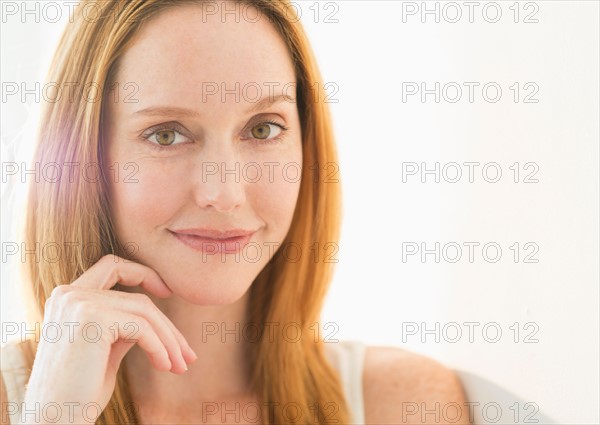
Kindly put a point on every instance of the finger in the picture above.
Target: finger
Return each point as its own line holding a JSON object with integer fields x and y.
{"x": 117, "y": 353}
{"x": 111, "y": 269}
{"x": 186, "y": 350}
{"x": 145, "y": 336}
{"x": 141, "y": 305}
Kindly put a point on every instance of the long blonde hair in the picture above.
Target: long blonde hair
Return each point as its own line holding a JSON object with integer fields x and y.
{"x": 76, "y": 210}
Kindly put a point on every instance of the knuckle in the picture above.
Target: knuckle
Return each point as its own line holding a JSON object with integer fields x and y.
{"x": 58, "y": 296}
{"x": 85, "y": 310}
{"x": 108, "y": 258}
{"x": 144, "y": 325}
{"x": 144, "y": 299}
{"x": 60, "y": 290}
{"x": 111, "y": 259}
{"x": 71, "y": 297}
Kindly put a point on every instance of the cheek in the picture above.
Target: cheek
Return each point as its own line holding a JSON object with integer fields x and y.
{"x": 145, "y": 198}
{"x": 276, "y": 200}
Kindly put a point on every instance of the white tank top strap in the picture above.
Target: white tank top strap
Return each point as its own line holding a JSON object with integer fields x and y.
{"x": 348, "y": 359}
{"x": 15, "y": 375}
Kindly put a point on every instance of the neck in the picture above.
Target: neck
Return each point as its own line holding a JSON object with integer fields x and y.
{"x": 215, "y": 334}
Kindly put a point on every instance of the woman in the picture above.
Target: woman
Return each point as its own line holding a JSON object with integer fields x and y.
{"x": 209, "y": 137}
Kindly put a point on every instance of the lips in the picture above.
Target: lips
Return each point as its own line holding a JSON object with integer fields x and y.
{"x": 214, "y": 241}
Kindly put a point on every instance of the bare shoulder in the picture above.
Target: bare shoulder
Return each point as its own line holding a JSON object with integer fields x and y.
{"x": 402, "y": 387}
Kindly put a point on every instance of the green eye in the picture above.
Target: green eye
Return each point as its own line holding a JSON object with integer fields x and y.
{"x": 165, "y": 137}
{"x": 261, "y": 131}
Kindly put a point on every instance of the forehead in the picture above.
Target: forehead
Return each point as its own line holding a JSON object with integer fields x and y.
{"x": 182, "y": 50}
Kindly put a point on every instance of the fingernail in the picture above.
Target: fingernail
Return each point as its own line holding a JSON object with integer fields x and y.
{"x": 192, "y": 352}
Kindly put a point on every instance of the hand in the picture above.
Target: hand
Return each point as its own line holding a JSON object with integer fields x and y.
{"x": 98, "y": 327}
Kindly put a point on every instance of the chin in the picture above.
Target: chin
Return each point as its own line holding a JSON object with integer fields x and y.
{"x": 209, "y": 298}
{"x": 215, "y": 298}
{"x": 213, "y": 291}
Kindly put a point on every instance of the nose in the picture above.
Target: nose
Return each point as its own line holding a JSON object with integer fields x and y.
{"x": 219, "y": 180}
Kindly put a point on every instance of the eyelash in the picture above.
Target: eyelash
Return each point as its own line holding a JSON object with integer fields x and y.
{"x": 176, "y": 128}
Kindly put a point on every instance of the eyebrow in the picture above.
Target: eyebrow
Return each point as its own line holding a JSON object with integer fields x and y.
{"x": 262, "y": 104}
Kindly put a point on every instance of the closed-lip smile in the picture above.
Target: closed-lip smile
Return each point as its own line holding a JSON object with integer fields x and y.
{"x": 214, "y": 241}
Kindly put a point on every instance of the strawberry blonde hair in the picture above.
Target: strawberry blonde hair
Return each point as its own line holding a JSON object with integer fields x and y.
{"x": 77, "y": 209}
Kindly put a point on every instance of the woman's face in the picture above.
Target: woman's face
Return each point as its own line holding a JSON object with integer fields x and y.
{"x": 199, "y": 150}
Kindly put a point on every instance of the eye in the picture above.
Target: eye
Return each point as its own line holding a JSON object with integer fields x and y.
{"x": 167, "y": 137}
{"x": 269, "y": 130}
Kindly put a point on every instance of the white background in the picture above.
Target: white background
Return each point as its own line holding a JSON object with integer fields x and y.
{"x": 376, "y": 297}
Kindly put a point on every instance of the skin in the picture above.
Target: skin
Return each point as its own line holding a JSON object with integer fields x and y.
{"x": 170, "y": 58}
